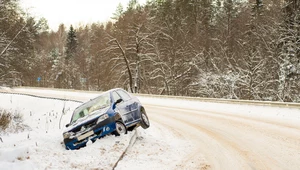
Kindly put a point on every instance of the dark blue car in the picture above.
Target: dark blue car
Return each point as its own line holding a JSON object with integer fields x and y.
{"x": 114, "y": 111}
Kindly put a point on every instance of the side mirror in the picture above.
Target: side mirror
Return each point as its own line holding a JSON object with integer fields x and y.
{"x": 67, "y": 125}
{"x": 118, "y": 101}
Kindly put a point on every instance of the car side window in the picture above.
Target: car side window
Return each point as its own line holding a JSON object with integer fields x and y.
{"x": 124, "y": 95}
{"x": 116, "y": 96}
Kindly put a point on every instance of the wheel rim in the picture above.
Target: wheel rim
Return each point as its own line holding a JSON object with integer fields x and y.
{"x": 145, "y": 119}
{"x": 120, "y": 128}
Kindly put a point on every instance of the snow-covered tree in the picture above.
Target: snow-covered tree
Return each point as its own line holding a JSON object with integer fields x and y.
{"x": 289, "y": 55}
{"x": 17, "y": 38}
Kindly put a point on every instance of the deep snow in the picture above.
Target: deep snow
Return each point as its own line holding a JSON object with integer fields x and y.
{"x": 40, "y": 145}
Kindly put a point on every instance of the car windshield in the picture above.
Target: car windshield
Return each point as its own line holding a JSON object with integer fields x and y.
{"x": 90, "y": 107}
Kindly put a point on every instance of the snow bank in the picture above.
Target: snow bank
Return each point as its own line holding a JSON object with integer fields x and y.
{"x": 42, "y": 148}
{"x": 41, "y": 145}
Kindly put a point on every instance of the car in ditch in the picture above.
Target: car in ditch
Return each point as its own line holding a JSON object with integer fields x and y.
{"x": 112, "y": 112}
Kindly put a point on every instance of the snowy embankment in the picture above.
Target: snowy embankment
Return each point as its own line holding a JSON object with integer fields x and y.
{"x": 39, "y": 145}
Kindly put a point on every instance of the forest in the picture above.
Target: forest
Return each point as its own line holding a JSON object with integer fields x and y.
{"x": 231, "y": 49}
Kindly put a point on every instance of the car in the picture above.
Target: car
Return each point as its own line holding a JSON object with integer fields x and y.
{"x": 113, "y": 112}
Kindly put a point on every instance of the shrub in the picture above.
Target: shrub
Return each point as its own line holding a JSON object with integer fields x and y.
{"x": 11, "y": 122}
{"x": 5, "y": 119}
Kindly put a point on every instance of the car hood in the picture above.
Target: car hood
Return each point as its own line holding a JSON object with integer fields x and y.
{"x": 84, "y": 120}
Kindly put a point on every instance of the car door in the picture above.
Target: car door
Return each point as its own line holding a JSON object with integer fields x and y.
{"x": 122, "y": 108}
{"x": 131, "y": 104}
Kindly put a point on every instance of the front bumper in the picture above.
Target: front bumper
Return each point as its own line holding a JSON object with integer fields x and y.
{"x": 82, "y": 137}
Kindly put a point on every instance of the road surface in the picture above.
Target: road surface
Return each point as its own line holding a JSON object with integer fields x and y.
{"x": 233, "y": 141}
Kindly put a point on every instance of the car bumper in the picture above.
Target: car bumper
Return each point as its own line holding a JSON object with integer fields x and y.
{"x": 101, "y": 129}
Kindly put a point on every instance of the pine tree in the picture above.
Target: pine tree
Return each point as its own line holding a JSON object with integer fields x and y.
{"x": 71, "y": 46}
{"x": 119, "y": 12}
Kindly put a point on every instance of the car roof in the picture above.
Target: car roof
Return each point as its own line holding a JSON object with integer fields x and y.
{"x": 111, "y": 90}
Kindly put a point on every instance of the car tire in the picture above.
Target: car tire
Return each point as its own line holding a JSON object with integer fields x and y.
{"x": 145, "y": 123}
{"x": 120, "y": 128}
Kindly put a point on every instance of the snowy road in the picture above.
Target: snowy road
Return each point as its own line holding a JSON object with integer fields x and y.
{"x": 201, "y": 135}
{"x": 231, "y": 141}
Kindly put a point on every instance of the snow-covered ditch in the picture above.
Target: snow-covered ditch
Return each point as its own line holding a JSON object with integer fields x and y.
{"x": 39, "y": 145}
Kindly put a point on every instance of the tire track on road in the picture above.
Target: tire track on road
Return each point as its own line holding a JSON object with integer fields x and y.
{"x": 195, "y": 158}
{"x": 228, "y": 146}
{"x": 253, "y": 158}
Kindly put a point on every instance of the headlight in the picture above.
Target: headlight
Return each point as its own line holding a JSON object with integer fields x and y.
{"x": 102, "y": 117}
{"x": 67, "y": 135}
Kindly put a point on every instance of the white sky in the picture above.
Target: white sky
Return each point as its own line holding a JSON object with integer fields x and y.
{"x": 73, "y": 11}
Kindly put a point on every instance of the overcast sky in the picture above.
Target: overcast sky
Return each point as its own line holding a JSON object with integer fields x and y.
{"x": 73, "y": 11}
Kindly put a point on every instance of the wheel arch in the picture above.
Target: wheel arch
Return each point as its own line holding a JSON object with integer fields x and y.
{"x": 142, "y": 108}
{"x": 118, "y": 117}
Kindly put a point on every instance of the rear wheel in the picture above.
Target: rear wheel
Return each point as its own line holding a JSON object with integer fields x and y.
{"x": 120, "y": 128}
{"x": 144, "y": 119}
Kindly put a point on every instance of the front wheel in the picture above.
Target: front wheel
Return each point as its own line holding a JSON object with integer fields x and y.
{"x": 120, "y": 128}
{"x": 144, "y": 119}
